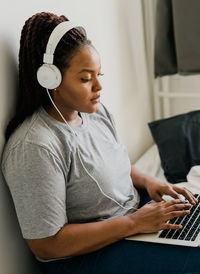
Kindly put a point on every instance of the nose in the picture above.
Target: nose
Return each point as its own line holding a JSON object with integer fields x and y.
{"x": 97, "y": 85}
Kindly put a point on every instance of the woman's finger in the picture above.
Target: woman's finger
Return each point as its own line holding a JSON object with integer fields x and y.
{"x": 174, "y": 214}
{"x": 170, "y": 191}
{"x": 178, "y": 207}
{"x": 157, "y": 197}
{"x": 171, "y": 226}
{"x": 187, "y": 194}
{"x": 173, "y": 201}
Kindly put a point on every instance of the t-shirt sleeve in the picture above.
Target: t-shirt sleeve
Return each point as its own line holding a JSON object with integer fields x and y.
{"x": 37, "y": 184}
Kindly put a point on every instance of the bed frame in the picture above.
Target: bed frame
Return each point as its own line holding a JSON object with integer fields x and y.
{"x": 163, "y": 97}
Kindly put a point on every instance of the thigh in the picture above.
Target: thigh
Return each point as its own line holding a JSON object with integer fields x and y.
{"x": 148, "y": 258}
{"x": 63, "y": 266}
{"x": 132, "y": 257}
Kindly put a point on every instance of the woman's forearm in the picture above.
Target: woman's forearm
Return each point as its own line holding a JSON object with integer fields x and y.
{"x": 77, "y": 239}
{"x": 141, "y": 180}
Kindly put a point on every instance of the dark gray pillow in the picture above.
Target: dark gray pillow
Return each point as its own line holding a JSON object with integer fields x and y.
{"x": 178, "y": 142}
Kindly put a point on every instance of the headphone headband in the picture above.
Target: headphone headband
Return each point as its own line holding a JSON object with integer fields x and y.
{"x": 54, "y": 39}
{"x": 48, "y": 75}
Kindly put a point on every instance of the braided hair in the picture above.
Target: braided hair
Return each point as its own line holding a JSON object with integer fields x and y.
{"x": 33, "y": 41}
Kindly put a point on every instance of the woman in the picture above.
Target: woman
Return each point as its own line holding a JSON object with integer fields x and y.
{"x": 75, "y": 192}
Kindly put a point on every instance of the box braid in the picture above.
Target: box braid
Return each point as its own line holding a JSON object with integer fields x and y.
{"x": 33, "y": 41}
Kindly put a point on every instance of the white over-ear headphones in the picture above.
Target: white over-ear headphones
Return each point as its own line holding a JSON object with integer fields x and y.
{"x": 48, "y": 75}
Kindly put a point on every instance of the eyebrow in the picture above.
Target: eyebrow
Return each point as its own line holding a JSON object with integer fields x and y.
{"x": 86, "y": 70}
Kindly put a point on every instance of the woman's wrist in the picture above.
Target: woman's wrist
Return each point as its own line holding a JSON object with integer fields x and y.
{"x": 130, "y": 225}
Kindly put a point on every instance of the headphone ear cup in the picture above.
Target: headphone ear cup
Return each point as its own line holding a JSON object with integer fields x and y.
{"x": 49, "y": 76}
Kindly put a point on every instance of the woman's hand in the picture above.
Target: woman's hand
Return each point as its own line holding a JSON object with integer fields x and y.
{"x": 157, "y": 189}
{"x": 154, "y": 216}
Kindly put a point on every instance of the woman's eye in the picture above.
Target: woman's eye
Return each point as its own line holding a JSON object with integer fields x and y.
{"x": 84, "y": 80}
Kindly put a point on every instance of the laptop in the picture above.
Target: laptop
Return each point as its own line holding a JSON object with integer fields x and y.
{"x": 189, "y": 235}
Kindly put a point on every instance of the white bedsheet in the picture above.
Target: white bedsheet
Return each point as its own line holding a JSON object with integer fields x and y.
{"x": 149, "y": 163}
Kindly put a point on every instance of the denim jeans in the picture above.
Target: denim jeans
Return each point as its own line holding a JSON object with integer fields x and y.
{"x": 134, "y": 257}
{"x": 131, "y": 257}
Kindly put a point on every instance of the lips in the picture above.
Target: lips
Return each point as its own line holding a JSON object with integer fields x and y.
{"x": 96, "y": 99}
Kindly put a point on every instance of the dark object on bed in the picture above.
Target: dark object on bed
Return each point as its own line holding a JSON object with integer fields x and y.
{"x": 178, "y": 142}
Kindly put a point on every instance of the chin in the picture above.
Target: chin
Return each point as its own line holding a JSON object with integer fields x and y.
{"x": 95, "y": 108}
{"x": 92, "y": 109}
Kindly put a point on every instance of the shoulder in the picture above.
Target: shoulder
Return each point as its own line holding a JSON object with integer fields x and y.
{"x": 35, "y": 133}
{"x": 32, "y": 130}
{"x": 102, "y": 110}
{"x": 103, "y": 120}
{"x": 103, "y": 113}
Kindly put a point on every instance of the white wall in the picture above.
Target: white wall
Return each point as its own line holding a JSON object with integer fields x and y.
{"x": 136, "y": 75}
{"x": 125, "y": 92}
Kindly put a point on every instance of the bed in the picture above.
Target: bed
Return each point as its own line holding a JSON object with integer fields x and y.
{"x": 150, "y": 163}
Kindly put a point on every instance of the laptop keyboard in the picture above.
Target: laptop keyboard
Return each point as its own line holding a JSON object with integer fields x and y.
{"x": 190, "y": 223}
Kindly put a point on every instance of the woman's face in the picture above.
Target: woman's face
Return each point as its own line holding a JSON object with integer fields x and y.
{"x": 80, "y": 86}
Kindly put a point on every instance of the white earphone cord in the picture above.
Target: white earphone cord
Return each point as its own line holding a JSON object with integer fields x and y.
{"x": 128, "y": 208}
{"x": 132, "y": 207}
{"x": 71, "y": 129}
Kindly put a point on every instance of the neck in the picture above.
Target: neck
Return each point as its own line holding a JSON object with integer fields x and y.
{"x": 72, "y": 117}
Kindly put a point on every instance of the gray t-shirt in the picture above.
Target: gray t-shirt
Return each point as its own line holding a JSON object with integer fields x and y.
{"x": 58, "y": 177}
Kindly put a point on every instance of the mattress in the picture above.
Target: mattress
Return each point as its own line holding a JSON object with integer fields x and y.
{"x": 150, "y": 163}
